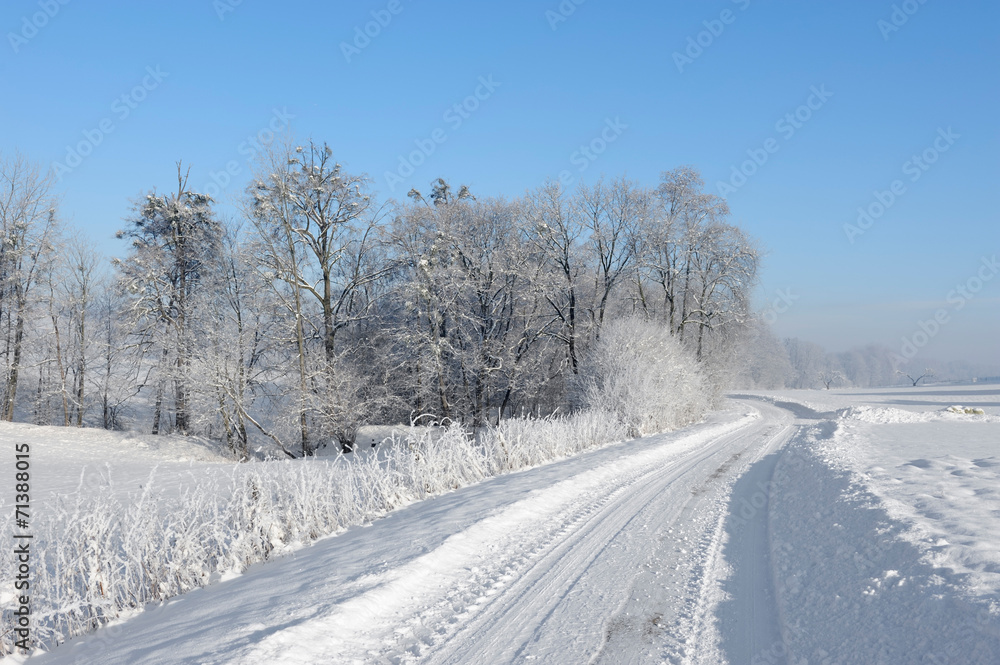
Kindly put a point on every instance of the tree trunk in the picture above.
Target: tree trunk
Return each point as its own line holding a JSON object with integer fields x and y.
{"x": 79, "y": 383}
{"x": 8, "y": 412}
{"x": 572, "y": 331}
{"x": 160, "y": 385}
{"x": 60, "y": 367}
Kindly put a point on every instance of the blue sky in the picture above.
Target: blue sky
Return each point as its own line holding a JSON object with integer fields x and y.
{"x": 202, "y": 78}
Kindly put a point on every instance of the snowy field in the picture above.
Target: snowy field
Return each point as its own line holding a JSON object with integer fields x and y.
{"x": 65, "y": 460}
{"x": 836, "y": 527}
{"x": 886, "y": 536}
{"x": 932, "y": 457}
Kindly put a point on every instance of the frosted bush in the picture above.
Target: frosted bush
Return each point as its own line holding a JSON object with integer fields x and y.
{"x": 643, "y": 375}
{"x": 98, "y": 557}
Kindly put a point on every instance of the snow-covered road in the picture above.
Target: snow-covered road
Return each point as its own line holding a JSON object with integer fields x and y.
{"x": 740, "y": 540}
{"x": 612, "y": 556}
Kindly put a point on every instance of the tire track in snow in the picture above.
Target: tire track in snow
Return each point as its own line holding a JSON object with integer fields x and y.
{"x": 670, "y": 614}
{"x": 559, "y": 589}
{"x": 545, "y": 622}
{"x": 749, "y": 622}
{"x": 503, "y": 589}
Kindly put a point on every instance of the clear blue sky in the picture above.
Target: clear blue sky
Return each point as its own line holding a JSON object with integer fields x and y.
{"x": 559, "y": 83}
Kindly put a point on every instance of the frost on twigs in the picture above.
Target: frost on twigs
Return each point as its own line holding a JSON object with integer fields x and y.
{"x": 643, "y": 375}
{"x": 103, "y": 554}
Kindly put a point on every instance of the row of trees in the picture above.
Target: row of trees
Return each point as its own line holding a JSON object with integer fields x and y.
{"x": 318, "y": 308}
{"x": 796, "y": 363}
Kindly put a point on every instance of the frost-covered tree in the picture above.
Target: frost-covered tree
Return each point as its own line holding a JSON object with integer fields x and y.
{"x": 475, "y": 313}
{"x": 696, "y": 271}
{"x": 172, "y": 265}
{"x": 27, "y": 228}
{"x": 73, "y": 282}
{"x": 333, "y": 218}
{"x": 421, "y": 243}
{"x": 724, "y": 269}
{"x": 83, "y": 284}
{"x": 317, "y": 317}
{"x": 554, "y": 231}
{"x": 612, "y": 215}
{"x": 242, "y": 359}
{"x": 118, "y": 374}
{"x": 670, "y": 241}
{"x": 763, "y": 360}
{"x": 830, "y": 376}
{"x": 808, "y": 362}
{"x": 317, "y": 225}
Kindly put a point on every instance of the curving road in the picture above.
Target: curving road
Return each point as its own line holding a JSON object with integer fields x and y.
{"x": 654, "y": 551}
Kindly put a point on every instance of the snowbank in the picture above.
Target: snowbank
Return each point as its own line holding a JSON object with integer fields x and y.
{"x": 889, "y": 415}
{"x": 854, "y": 585}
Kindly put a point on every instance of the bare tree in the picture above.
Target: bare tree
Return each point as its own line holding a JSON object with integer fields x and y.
{"x": 82, "y": 284}
{"x": 318, "y": 227}
{"x": 612, "y": 214}
{"x": 671, "y": 241}
{"x": 554, "y": 230}
{"x": 808, "y": 362}
{"x": 72, "y": 280}
{"x": 831, "y": 376}
{"x": 476, "y": 282}
{"x": 762, "y": 360}
{"x": 421, "y": 238}
{"x": 27, "y": 227}
{"x": 915, "y": 381}
{"x": 119, "y": 375}
{"x": 721, "y": 277}
{"x": 174, "y": 259}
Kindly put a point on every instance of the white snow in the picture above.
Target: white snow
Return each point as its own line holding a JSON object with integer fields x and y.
{"x": 886, "y": 542}
{"x": 850, "y": 526}
{"x": 400, "y": 588}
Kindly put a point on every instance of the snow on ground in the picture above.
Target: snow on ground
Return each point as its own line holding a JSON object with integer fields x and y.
{"x": 922, "y": 400}
{"x": 943, "y": 479}
{"x": 64, "y": 459}
{"x": 886, "y": 531}
{"x": 526, "y": 565}
{"x": 832, "y": 527}
{"x": 932, "y": 466}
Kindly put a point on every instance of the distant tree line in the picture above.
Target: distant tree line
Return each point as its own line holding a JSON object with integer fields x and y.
{"x": 771, "y": 363}
{"x": 319, "y": 308}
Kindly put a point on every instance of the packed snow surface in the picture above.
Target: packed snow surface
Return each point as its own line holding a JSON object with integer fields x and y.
{"x": 801, "y": 527}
